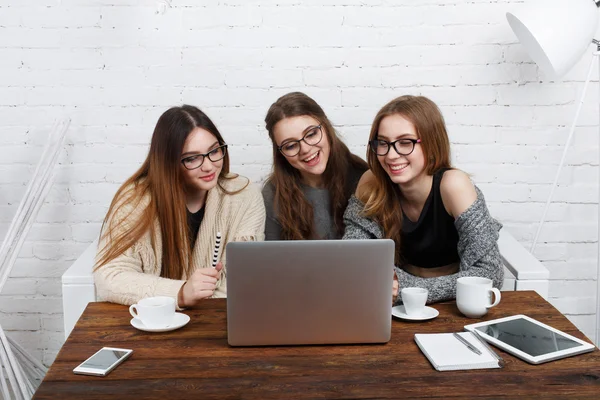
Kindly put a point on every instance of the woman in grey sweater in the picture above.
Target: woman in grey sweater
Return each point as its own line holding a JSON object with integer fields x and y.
{"x": 314, "y": 173}
{"x": 436, "y": 216}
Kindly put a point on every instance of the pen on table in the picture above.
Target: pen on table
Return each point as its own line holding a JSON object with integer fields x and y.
{"x": 466, "y": 343}
{"x": 501, "y": 361}
{"x": 216, "y": 250}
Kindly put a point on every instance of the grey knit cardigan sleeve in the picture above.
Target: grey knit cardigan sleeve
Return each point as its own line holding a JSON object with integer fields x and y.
{"x": 477, "y": 248}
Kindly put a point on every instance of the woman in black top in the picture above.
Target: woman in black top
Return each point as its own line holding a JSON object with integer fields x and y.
{"x": 433, "y": 212}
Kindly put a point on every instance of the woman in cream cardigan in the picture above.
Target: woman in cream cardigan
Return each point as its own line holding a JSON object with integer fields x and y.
{"x": 159, "y": 233}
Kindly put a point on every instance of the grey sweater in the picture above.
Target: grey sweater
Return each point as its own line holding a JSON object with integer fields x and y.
{"x": 318, "y": 198}
{"x": 477, "y": 248}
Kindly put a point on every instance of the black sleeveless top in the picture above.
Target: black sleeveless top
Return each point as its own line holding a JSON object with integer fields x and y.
{"x": 431, "y": 241}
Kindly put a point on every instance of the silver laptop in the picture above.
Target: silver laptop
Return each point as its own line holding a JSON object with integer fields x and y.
{"x": 309, "y": 292}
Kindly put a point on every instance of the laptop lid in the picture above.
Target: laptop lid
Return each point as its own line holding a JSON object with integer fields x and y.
{"x": 309, "y": 292}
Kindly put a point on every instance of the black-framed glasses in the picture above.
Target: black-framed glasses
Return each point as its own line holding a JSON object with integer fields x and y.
{"x": 404, "y": 147}
{"x": 312, "y": 137}
{"x": 196, "y": 161}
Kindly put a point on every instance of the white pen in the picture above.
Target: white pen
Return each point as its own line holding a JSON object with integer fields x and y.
{"x": 466, "y": 343}
{"x": 216, "y": 250}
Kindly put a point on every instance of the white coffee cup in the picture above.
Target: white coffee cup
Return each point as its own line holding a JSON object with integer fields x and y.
{"x": 414, "y": 300}
{"x": 474, "y": 296}
{"x": 154, "y": 312}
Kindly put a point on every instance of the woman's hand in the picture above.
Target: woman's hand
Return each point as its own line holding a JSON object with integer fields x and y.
{"x": 395, "y": 288}
{"x": 200, "y": 285}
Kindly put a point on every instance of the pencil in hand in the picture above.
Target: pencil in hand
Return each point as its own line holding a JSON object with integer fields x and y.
{"x": 216, "y": 250}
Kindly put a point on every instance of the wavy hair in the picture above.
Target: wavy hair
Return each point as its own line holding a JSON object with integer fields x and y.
{"x": 380, "y": 195}
{"x": 294, "y": 211}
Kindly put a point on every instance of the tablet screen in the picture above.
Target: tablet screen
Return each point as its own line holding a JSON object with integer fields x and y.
{"x": 528, "y": 337}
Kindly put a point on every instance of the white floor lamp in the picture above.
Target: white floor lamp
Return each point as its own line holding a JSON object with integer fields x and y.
{"x": 556, "y": 34}
{"x": 20, "y": 373}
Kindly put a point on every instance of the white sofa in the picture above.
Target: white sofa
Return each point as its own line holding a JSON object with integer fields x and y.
{"x": 78, "y": 287}
{"x": 78, "y": 283}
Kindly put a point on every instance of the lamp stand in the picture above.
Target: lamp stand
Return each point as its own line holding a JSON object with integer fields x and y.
{"x": 596, "y": 55}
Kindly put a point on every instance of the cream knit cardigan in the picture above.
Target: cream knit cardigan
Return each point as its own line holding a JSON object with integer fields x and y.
{"x": 135, "y": 274}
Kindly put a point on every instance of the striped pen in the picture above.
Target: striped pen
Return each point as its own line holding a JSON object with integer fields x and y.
{"x": 216, "y": 250}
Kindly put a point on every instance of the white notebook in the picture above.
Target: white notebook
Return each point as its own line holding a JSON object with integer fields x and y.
{"x": 447, "y": 353}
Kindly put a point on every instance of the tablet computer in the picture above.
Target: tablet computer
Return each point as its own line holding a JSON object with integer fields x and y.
{"x": 529, "y": 339}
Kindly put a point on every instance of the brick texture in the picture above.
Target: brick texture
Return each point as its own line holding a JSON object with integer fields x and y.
{"x": 114, "y": 66}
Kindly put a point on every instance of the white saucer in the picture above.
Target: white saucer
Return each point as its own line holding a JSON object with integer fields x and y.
{"x": 428, "y": 313}
{"x": 179, "y": 320}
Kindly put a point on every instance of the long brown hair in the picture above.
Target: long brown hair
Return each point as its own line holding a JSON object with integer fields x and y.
{"x": 294, "y": 211}
{"x": 381, "y": 196}
{"x": 159, "y": 182}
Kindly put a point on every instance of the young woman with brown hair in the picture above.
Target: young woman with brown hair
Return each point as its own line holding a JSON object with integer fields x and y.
{"x": 158, "y": 236}
{"x": 314, "y": 173}
{"x": 433, "y": 212}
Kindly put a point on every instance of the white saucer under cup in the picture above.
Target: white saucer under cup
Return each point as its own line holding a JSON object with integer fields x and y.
{"x": 179, "y": 320}
{"x": 426, "y": 314}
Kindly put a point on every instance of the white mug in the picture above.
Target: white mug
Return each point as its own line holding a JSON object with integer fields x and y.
{"x": 474, "y": 296}
{"x": 414, "y": 300}
{"x": 154, "y": 312}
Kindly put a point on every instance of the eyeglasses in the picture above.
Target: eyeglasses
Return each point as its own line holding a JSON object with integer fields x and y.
{"x": 311, "y": 138}
{"x": 404, "y": 147}
{"x": 196, "y": 161}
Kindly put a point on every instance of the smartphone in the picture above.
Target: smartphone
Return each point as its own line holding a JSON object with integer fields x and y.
{"x": 103, "y": 361}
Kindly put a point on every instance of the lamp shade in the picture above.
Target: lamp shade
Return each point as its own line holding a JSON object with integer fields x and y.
{"x": 555, "y": 33}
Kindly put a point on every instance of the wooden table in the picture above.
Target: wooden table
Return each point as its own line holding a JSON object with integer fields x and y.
{"x": 196, "y": 362}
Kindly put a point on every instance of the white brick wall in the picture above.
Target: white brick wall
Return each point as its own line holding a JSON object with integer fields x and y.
{"x": 115, "y": 66}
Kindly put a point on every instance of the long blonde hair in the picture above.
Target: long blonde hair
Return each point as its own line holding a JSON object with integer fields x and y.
{"x": 160, "y": 181}
{"x": 381, "y": 196}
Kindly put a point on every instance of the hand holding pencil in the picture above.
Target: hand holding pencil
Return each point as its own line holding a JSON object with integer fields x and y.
{"x": 200, "y": 285}
{"x": 203, "y": 282}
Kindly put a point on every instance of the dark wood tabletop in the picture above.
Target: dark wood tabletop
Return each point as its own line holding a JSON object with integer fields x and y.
{"x": 196, "y": 362}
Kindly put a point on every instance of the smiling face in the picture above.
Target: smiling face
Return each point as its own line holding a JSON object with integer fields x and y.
{"x": 311, "y": 160}
{"x": 401, "y": 169}
{"x": 205, "y": 177}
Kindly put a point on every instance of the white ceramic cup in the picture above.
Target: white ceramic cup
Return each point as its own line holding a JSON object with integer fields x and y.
{"x": 414, "y": 300}
{"x": 474, "y": 296}
{"x": 154, "y": 312}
